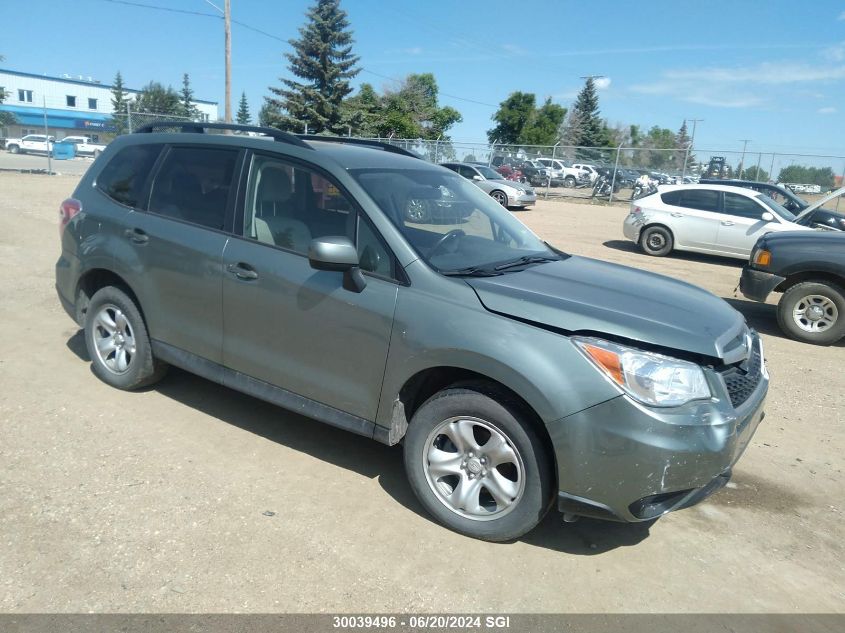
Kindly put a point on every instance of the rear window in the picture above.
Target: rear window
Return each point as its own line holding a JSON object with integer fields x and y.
{"x": 671, "y": 197}
{"x": 124, "y": 177}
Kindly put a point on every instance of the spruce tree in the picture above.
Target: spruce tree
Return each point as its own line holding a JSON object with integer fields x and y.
{"x": 187, "y": 108}
{"x": 683, "y": 142}
{"x": 119, "y": 99}
{"x": 322, "y": 58}
{"x": 243, "y": 111}
{"x": 590, "y": 129}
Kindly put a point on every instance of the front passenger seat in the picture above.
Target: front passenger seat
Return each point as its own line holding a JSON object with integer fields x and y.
{"x": 274, "y": 208}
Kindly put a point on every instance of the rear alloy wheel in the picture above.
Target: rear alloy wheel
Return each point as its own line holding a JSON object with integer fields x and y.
{"x": 476, "y": 464}
{"x": 500, "y": 197}
{"x": 656, "y": 241}
{"x": 813, "y": 312}
{"x": 118, "y": 343}
{"x": 569, "y": 181}
{"x": 14, "y": 149}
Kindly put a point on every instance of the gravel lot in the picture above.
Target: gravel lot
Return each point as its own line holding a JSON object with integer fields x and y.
{"x": 192, "y": 497}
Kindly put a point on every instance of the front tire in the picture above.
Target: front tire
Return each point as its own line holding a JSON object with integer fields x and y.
{"x": 118, "y": 343}
{"x": 500, "y": 196}
{"x": 14, "y": 149}
{"x": 569, "y": 182}
{"x": 475, "y": 463}
{"x": 656, "y": 241}
{"x": 813, "y": 312}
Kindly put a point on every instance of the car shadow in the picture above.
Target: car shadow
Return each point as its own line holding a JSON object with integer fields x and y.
{"x": 363, "y": 456}
{"x": 630, "y": 247}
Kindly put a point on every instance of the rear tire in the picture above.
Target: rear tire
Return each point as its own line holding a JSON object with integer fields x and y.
{"x": 813, "y": 312}
{"x": 476, "y": 464}
{"x": 656, "y": 241}
{"x": 118, "y": 343}
{"x": 14, "y": 149}
{"x": 569, "y": 182}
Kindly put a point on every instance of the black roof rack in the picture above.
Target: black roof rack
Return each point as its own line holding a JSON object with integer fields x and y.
{"x": 387, "y": 147}
{"x": 199, "y": 127}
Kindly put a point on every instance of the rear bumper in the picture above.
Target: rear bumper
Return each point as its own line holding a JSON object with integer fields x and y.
{"x": 67, "y": 276}
{"x": 632, "y": 226}
{"x": 757, "y": 284}
{"x": 623, "y": 461}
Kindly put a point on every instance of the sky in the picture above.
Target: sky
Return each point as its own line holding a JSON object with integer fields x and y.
{"x": 772, "y": 72}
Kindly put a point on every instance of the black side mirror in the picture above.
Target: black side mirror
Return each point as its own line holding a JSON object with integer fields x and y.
{"x": 339, "y": 254}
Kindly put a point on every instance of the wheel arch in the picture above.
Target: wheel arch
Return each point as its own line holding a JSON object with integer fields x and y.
{"x": 820, "y": 277}
{"x": 417, "y": 389}
{"x": 93, "y": 280}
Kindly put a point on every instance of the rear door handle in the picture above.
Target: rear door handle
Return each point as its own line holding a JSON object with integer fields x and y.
{"x": 137, "y": 235}
{"x": 243, "y": 271}
{"x": 677, "y": 215}
{"x": 727, "y": 223}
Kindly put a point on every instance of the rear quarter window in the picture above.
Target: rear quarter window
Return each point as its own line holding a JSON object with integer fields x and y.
{"x": 125, "y": 175}
{"x": 671, "y": 197}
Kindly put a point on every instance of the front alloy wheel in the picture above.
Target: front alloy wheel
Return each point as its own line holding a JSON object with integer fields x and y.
{"x": 473, "y": 468}
{"x": 813, "y": 312}
{"x": 477, "y": 464}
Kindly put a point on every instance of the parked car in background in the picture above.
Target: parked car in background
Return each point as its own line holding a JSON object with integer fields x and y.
{"x": 818, "y": 217}
{"x": 589, "y": 169}
{"x": 809, "y": 269}
{"x": 561, "y": 171}
{"x": 536, "y": 172}
{"x": 507, "y": 193}
{"x": 713, "y": 219}
{"x": 515, "y": 376}
{"x": 84, "y": 145}
{"x": 30, "y": 144}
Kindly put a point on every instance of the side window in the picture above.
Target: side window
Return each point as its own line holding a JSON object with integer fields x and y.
{"x": 288, "y": 206}
{"x": 125, "y": 175}
{"x": 193, "y": 185}
{"x": 451, "y": 167}
{"x": 372, "y": 253}
{"x": 703, "y": 199}
{"x": 466, "y": 172}
{"x": 742, "y": 206}
{"x": 672, "y": 198}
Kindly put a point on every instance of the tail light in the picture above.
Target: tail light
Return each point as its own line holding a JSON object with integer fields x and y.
{"x": 636, "y": 210}
{"x": 67, "y": 210}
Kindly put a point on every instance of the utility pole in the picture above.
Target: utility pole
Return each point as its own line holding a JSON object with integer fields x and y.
{"x": 745, "y": 142}
{"x": 227, "y": 20}
{"x": 690, "y": 148}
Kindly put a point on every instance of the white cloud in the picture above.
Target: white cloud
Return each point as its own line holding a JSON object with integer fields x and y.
{"x": 827, "y": 110}
{"x": 415, "y": 50}
{"x": 602, "y": 83}
{"x": 766, "y": 73}
{"x": 513, "y": 49}
{"x": 841, "y": 16}
{"x": 835, "y": 53}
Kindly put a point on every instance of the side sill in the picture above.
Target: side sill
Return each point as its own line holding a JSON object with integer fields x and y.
{"x": 263, "y": 390}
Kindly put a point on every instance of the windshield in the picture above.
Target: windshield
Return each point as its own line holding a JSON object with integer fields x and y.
{"x": 490, "y": 174}
{"x": 774, "y": 206}
{"x": 451, "y": 223}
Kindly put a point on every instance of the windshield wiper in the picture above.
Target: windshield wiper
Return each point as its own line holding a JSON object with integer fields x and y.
{"x": 525, "y": 260}
{"x": 471, "y": 271}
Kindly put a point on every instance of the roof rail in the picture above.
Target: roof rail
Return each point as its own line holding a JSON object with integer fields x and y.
{"x": 387, "y": 147}
{"x": 199, "y": 127}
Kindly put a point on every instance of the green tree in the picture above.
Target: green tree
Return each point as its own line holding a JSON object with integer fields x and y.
{"x": 6, "y": 118}
{"x": 657, "y": 139}
{"x": 590, "y": 130}
{"x": 187, "y": 108}
{"x": 243, "y": 116}
{"x": 801, "y": 175}
{"x": 322, "y": 58}
{"x": 362, "y": 112}
{"x": 756, "y": 173}
{"x": 119, "y": 100}
{"x": 413, "y": 111}
{"x": 267, "y": 115}
{"x": 513, "y": 115}
{"x": 156, "y": 99}
{"x": 544, "y": 126}
{"x": 684, "y": 142}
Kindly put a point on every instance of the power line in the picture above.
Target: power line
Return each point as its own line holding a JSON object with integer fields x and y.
{"x": 160, "y": 8}
{"x": 445, "y": 94}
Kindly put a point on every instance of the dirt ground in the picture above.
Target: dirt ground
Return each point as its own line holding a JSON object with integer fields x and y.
{"x": 191, "y": 497}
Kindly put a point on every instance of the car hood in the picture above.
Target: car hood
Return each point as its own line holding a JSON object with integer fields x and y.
{"x": 579, "y": 294}
{"x": 818, "y": 204}
{"x": 821, "y": 242}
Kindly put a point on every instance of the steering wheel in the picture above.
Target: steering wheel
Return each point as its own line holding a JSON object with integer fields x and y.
{"x": 451, "y": 235}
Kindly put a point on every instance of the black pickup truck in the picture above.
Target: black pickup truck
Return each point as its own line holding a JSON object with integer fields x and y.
{"x": 809, "y": 269}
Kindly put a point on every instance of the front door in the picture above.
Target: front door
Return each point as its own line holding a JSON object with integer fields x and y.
{"x": 290, "y": 325}
{"x": 742, "y": 224}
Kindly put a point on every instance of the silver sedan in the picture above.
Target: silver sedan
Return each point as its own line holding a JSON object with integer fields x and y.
{"x": 508, "y": 193}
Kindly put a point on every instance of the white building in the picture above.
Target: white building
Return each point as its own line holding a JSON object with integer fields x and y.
{"x": 73, "y": 105}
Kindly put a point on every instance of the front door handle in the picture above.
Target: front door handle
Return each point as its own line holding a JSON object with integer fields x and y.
{"x": 243, "y": 271}
{"x": 137, "y": 235}
{"x": 727, "y": 223}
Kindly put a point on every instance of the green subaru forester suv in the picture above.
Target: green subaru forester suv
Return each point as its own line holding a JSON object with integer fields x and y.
{"x": 300, "y": 270}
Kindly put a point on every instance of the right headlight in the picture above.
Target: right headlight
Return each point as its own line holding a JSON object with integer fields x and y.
{"x": 652, "y": 379}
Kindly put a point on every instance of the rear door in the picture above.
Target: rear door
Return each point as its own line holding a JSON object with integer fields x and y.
{"x": 694, "y": 217}
{"x": 178, "y": 240}
{"x": 742, "y": 223}
{"x": 288, "y": 324}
